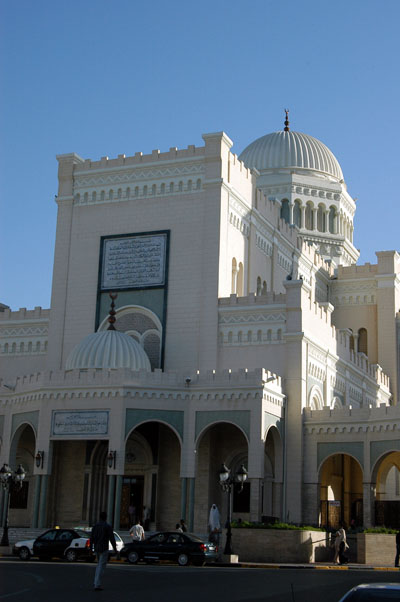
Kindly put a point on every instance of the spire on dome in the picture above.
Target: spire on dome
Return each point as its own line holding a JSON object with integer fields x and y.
{"x": 111, "y": 317}
{"x": 286, "y": 129}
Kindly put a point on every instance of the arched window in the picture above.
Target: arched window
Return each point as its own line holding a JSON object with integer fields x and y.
{"x": 198, "y": 184}
{"x": 249, "y": 336}
{"x": 119, "y": 193}
{"x": 229, "y": 337}
{"x": 264, "y": 288}
{"x": 309, "y": 217}
{"x": 102, "y": 195}
{"x": 171, "y": 187}
{"x": 162, "y": 189}
{"x": 269, "y": 335}
{"x": 234, "y": 276}
{"x": 111, "y": 194}
{"x": 321, "y": 218}
{"x": 180, "y": 186}
{"x": 153, "y": 189}
{"x": 351, "y": 341}
{"x": 240, "y": 336}
{"x": 332, "y": 220}
{"x": 128, "y": 192}
{"x": 136, "y": 190}
{"x": 190, "y": 185}
{"x": 144, "y": 190}
{"x": 297, "y": 214}
{"x": 279, "y": 335}
{"x": 240, "y": 280}
{"x": 258, "y": 285}
{"x": 363, "y": 341}
{"x": 94, "y": 196}
{"x": 285, "y": 211}
{"x": 86, "y": 197}
{"x": 259, "y": 336}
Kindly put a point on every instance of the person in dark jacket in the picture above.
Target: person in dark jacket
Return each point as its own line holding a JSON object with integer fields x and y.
{"x": 102, "y": 534}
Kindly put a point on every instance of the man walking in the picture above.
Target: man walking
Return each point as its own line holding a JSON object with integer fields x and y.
{"x": 137, "y": 532}
{"x": 102, "y": 534}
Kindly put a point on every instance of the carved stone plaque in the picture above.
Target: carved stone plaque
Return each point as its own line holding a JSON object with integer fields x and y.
{"x": 80, "y": 423}
{"x": 134, "y": 261}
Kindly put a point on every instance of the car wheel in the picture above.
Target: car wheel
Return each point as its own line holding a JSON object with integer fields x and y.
{"x": 183, "y": 559}
{"x": 133, "y": 557}
{"x": 24, "y": 553}
{"x": 71, "y": 555}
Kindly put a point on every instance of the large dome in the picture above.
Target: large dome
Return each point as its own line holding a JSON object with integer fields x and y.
{"x": 109, "y": 349}
{"x": 294, "y": 150}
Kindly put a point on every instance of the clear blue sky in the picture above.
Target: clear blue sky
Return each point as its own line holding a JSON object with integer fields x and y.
{"x": 103, "y": 78}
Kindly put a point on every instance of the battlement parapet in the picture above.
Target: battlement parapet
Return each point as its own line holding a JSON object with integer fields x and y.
{"x": 319, "y": 262}
{"x": 158, "y": 379}
{"x": 191, "y": 152}
{"x": 357, "y": 271}
{"x": 269, "y": 298}
{"x": 363, "y": 414}
{"x": 38, "y": 313}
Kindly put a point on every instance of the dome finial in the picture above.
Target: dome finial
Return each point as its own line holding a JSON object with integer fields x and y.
{"x": 111, "y": 317}
{"x": 286, "y": 121}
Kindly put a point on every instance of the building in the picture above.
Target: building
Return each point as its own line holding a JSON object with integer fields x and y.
{"x": 245, "y": 334}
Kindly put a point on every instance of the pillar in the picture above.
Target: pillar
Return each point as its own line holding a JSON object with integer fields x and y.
{"x": 315, "y": 218}
{"x": 111, "y": 495}
{"x": 117, "y": 507}
{"x": 183, "y": 497}
{"x": 368, "y": 504}
{"x": 43, "y": 501}
{"x": 311, "y": 503}
{"x": 36, "y": 501}
{"x": 303, "y": 216}
{"x": 192, "y": 483}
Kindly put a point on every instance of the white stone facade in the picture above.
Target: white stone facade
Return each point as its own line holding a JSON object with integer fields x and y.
{"x": 268, "y": 347}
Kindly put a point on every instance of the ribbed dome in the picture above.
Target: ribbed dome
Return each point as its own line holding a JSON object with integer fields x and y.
{"x": 108, "y": 349}
{"x": 291, "y": 150}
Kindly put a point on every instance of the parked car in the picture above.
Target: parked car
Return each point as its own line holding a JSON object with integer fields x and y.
{"x": 182, "y": 548}
{"x": 372, "y": 592}
{"x": 71, "y": 544}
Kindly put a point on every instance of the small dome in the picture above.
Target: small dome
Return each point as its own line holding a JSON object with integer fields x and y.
{"x": 291, "y": 150}
{"x": 108, "y": 349}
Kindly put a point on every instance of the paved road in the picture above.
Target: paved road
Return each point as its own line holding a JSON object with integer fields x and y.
{"x": 36, "y": 581}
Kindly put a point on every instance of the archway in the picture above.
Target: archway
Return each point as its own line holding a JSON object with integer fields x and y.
{"x": 386, "y": 475}
{"x": 220, "y": 443}
{"x": 272, "y": 483}
{"x": 22, "y": 451}
{"x": 152, "y": 476}
{"x": 341, "y": 491}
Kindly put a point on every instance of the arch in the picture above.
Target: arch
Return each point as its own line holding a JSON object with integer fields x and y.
{"x": 216, "y": 422}
{"x": 198, "y": 184}
{"x": 285, "y": 211}
{"x": 111, "y": 194}
{"x": 264, "y": 288}
{"x": 315, "y": 398}
{"x": 162, "y": 189}
{"x": 154, "y": 189}
{"x": 190, "y": 185}
{"x": 321, "y": 222}
{"x": 180, "y": 186}
{"x": 258, "y": 285}
{"x": 363, "y": 341}
{"x": 332, "y": 219}
{"x": 341, "y": 490}
{"x": 309, "y": 216}
{"x": 94, "y": 196}
{"x": 272, "y": 484}
{"x": 171, "y": 187}
{"x": 297, "y": 213}
{"x": 240, "y": 280}
{"x": 336, "y": 403}
{"x": 22, "y": 451}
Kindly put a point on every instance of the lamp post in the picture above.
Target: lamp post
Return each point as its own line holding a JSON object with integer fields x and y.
{"x": 9, "y": 481}
{"x": 227, "y": 482}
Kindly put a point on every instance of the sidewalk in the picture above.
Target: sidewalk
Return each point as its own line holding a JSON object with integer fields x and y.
{"x": 6, "y": 553}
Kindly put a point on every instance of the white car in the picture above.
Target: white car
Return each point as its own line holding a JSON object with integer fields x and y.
{"x": 73, "y": 549}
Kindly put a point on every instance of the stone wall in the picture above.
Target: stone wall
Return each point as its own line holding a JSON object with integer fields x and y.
{"x": 376, "y": 549}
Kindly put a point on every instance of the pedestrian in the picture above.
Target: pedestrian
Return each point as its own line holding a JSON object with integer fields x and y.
{"x": 102, "y": 535}
{"x": 183, "y": 525}
{"x": 178, "y": 528}
{"x": 396, "y": 561}
{"x": 214, "y": 520}
{"x": 340, "y": 546}
{"x": 137, "y": 532}
{"x": 146, "y": 518}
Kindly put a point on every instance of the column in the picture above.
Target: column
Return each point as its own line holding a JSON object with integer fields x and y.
{"x": 303, "y": 216}
{"x": 315, "y": 218}
{"x": 255, "y": 499}
{"x": 36, "y": 501}
{"x": 291, "y": 207}
{"x": 111, "y": 495}
{"x": 183, "y": 497}
{"x": 192, "y": 482}
{"x": 43, "y": 501}
{"x": 368, "y": 504}
{"x": 117, "y": 507}
{"x": 311, "y": 503}
{"x": 326, "y": 213}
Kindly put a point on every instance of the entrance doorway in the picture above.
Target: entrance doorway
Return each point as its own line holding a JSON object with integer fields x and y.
{"x": 131, "y": 500}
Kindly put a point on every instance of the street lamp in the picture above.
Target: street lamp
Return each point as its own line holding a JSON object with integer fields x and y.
{"x": 10, "y": 481}
{"x": 227, "y": 482}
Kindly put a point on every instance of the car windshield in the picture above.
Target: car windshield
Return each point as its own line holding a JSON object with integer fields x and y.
{"x": 194, "y": 537}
